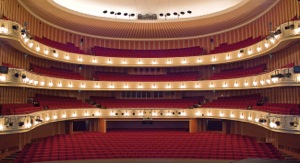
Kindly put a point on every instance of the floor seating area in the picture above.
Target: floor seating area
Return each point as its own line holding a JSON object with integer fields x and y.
{"x": 279, "y": 108}
{"x": 18, "y": 108}
{"x": 146, "y": 144}
{"x": 56, "y": 72}
{"x": 59, "y": 102}
{"x": 68, "y": 47}
{"x": 187, "y": 76}
{"x": 238, "y": 72}
{"x": 183, "y": 52}
{"x": 234, "y": 102}
{"x": 225, "y": 47}
{"x": 146, "y": 103}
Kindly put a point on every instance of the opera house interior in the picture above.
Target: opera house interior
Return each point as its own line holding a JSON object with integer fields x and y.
{"x": 89, "y": 81}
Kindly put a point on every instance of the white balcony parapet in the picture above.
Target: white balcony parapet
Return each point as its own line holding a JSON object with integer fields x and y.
{"x": 26, "y": 122}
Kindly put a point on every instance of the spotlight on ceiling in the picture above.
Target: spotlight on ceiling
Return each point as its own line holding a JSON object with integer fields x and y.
{"x": 175, "y": 13}
{"x": 168, "y": 14}
{"x": 125, "y": 14}
{"x": 182, "y": 13}
{"x": 132, "y": 14}
{"x": 112, "y": 12}
{"x": 16, "y": 75}
{"x": 161, "y": 14}
{"x": 23, "y": 76}
{"x": 105, "y": 11}
{"x": 189, "y": 12}
{"x": 119, "y": 13}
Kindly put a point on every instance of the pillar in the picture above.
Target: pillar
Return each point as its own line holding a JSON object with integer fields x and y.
{"x": 102, "y": 125}
{"x": 69, "y": 127}
{"x": 193, "y": 125}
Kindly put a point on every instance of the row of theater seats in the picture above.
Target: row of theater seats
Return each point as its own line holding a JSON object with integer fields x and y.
{"x": 18, "y": 108}
{"x": 146, "y": 144}
{"x": 59, "y": 102}
{"x": 250, "y": 102}
{"x": 109, "y": 52}
{"x": 9, "y": 65}
{"x": 43, "y": 102}
{"x": 56, "y": 72}
{"x": 182, "y": 52}
{"x": 225, "y": 47}
{"x": 238, "y": 102}
{"x": 187, "y": 76}
{"x": 232, "y": 102}
{"x": 239, "y": 72}
{"x": 146, "y": 103}
{"x": 279, "y": 108}
{"x": 69, "y": 47}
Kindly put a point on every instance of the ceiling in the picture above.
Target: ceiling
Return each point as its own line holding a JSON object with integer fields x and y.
{"x": 197, "y": 7}
{"x": 207, "y": 17}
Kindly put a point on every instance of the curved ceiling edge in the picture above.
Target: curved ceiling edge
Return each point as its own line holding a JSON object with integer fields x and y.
{"x": 149, "y": 39}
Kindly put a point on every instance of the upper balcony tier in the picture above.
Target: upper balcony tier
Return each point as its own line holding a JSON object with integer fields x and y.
{"x": 284, "y": 35}
{"x": 277, "y": 78}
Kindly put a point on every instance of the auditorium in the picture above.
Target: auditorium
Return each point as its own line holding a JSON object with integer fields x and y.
{"x": 135, "y": 81}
